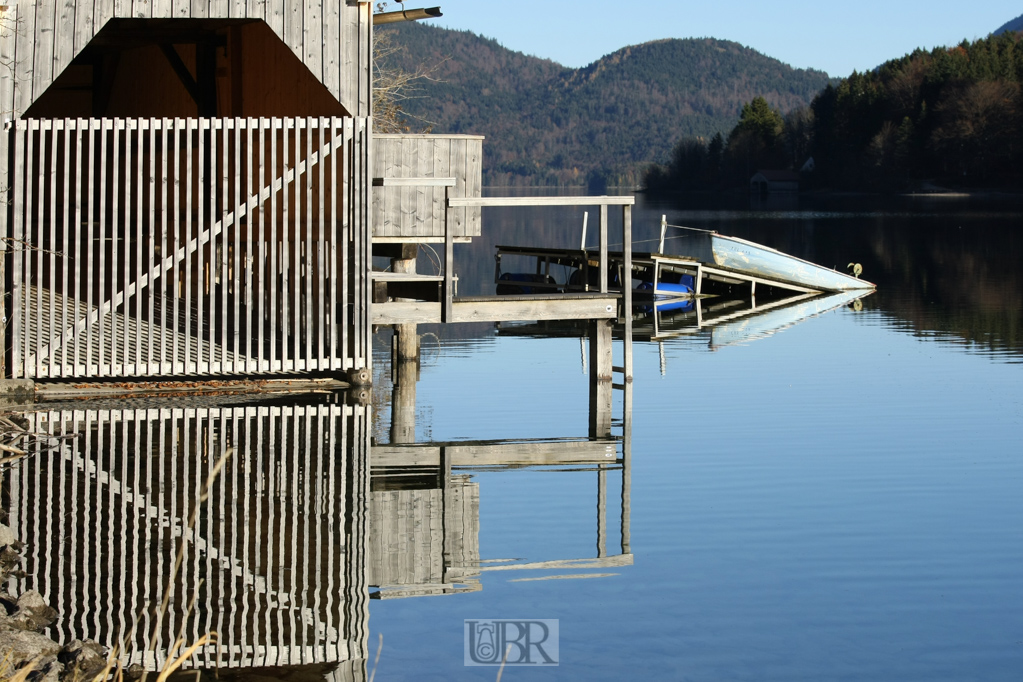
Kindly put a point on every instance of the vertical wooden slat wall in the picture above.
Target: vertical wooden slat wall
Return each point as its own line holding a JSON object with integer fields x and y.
{"x": 158, "y": 264}
{"x": 40, "y": 40}
{"x": 282, "y": 537}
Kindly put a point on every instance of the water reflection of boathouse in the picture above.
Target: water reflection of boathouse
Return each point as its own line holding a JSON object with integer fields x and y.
{"x": 274, "y": 560}
{"x": 279, "y": 553}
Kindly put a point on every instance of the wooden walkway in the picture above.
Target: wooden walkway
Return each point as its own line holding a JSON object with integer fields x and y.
{"x": 153, "y": 349}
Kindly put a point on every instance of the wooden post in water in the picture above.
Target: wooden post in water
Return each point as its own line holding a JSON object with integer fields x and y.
{"x": 603, "y": 248}
{"x": 449, "y": 261}
{"x": 404, "y": 375}
{"x": 600, "y": 378}
{"x": 627, "y": 288}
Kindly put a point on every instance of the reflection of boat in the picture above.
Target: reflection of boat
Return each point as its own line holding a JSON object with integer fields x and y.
{"x": 732, "y": 321}
{"x": 764, "y": 323}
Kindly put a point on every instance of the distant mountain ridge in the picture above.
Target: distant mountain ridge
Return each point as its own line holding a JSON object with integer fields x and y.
{"x": 1014, "y": 25}
{"x": 549, "y": 124}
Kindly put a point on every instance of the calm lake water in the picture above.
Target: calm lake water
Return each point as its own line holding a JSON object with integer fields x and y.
{"x": 832, "y": 497}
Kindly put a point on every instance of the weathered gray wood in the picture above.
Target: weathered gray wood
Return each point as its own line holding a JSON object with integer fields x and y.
{"x": 605, "y": 562}
{"x": 602, "y": 246}
{"x": 36, "y": 240}
{"x": 262, "y": 329}
{"x": 52, "y": 32}
{"x": 441, "y": 169}
{"x": 496, "y": 453}
{"x": 92, "y": 222}
{"x": 363, "y": 234}
{"x": 191, "y": 286}
{"x": 601, "y": 374}
{"x": 316, "y": 266}
{"x": 414, "y": 182}
{"x": 101, "y": 330}
{"x": 408, "y": 207}
{"x": 24, "y": 60}
{"x": 175, "y": 233}
{"x": 542, "y": 201}
{"x": 151, "y": 229}
{"x": 331, "y": 46}
{"x": 43, "y": 45}
{"x": 502, "y": 309}
{"x": 627, "y": 288}
{"x": 305, "y": 273}
{"x": 7, "y": 56}
{"x": 18, "y": 205}
{"x": 447, "y": 298}
{"x": 473, "y": 181}
{"x": 312, "y": 37}
{"x": 276, "y": 131}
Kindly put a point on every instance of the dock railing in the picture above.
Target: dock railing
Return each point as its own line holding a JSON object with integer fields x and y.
{"x": 603, "y": 202}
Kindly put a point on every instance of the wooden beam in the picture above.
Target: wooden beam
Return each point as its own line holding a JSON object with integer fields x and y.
{"x": 496, "y": 453}
{"x": 500, "y": 309}
{"x": 413, "y": 182}
{"x": 406, "y": 15}
{"x": 181, "y": 70}
{"x": 459, "y": 202}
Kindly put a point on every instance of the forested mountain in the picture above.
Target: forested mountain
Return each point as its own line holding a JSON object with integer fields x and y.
{"x": 951, "y": 116}
{"x": 1014, "y": 25}
{"x": 548, "y": 124}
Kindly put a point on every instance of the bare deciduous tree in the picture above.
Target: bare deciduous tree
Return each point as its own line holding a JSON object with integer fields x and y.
{"x": 394, "y": 85}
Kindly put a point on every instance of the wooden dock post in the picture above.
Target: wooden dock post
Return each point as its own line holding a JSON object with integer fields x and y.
{"x": 404, "y": 375}
{"x": 603, "y": 248}
{"x": 627, "y": 289}
{"x": 447, "y": 302}
{"x": 600, "y": 378}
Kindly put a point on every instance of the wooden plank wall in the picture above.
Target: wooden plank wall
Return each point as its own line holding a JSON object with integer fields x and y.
{"x": 418, "y": 212}
{"x": 333, "y": 38}
{"x": 281, "y": 538}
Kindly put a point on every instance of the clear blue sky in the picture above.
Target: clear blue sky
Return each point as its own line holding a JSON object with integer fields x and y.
{"x": 822, "y": 34}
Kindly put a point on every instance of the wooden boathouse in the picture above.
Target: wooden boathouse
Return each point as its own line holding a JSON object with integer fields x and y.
{"x": 194, "y": 191}
{"x": 188, "y": 187}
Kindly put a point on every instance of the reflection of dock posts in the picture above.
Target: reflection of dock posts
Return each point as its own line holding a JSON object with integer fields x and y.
{"x": 627, "y": 468}
{"x": 601, "y": 510}
{"x": 446, "y": 529}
